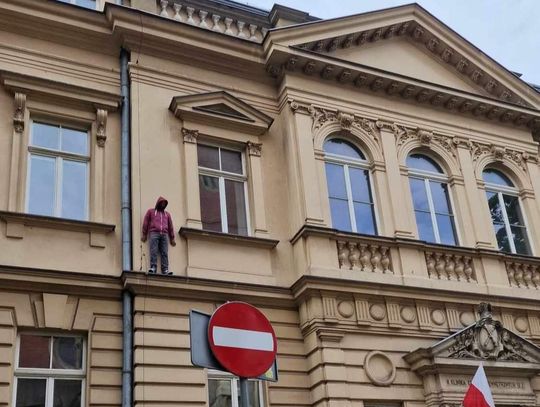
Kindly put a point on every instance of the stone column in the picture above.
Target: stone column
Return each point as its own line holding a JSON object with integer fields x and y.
{"x": 15, "y": 203}
{"x": 260, "y": 228}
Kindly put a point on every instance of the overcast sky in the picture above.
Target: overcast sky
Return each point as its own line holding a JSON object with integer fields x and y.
{"x": 506, "y": 30}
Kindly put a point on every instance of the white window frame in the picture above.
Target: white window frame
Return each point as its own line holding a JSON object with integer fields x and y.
{"x": 50, "y": 375}
{"x": 501, "y": 190}
{"x": 225, "y": 175}
{"x": 59, "y": 157}
{"x": 360, "y": 164}
{"x": 219, "y": 375}
{"x": 427, "y": 176}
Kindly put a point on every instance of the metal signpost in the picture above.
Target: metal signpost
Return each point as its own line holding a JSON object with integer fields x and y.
{"x": 237, "y": 338}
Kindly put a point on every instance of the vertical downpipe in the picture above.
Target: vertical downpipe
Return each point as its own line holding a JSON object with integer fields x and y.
{"x": 127, "y": 312}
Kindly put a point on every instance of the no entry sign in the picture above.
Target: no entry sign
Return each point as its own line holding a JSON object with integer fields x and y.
{"x": 242, "y": 339}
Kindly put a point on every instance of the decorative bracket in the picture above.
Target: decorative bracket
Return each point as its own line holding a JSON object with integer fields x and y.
{"x": 254, "y": 149}
{"x": 190, "y": 136}
{"x": 18, "y": 116}
{"x": 101, "y": 132}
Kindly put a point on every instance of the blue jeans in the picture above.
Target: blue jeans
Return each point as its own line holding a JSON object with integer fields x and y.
{"x": 159, "y": 242}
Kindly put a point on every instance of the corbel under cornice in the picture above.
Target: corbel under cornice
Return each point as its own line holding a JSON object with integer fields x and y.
{"x": 283, "y": 61}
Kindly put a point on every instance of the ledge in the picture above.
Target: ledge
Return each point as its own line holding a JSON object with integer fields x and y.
{"x": 16, "y": 221}
{"x": 190, "y": 233}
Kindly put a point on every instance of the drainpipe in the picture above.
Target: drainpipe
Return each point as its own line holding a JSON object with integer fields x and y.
{"x": 127, "y": 314}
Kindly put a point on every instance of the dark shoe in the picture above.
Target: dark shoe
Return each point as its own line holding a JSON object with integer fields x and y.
{"x": 166, "y": 272}
{"x": 152, "y": 270}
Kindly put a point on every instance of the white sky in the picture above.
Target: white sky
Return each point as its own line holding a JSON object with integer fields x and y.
{"x": 507, "y": 30}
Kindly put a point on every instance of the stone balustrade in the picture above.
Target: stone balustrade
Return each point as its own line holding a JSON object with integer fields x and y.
{"x": 211, "y": 21}
{"x": 450, "y": 266}
{"x": 364, "y": 256}
{"x": 523, "y": 274}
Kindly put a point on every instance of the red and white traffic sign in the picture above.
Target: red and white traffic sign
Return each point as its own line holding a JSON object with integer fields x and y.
{"x": 242, "y": 339}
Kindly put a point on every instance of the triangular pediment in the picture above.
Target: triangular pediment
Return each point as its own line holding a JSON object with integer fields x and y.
{"x": 409, "y": 42}
{"x": 221, "y": 109}
{"x": 486, "y": 340}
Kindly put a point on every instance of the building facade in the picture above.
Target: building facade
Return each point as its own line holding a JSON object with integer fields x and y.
{"x": 370, "y": 182}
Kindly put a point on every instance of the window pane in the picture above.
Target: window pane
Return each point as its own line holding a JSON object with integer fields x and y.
{"x": 513, "y": 210}
{"x": 340, "y": 214}
{"x": 496, "y": 177}
{"x": 335, "y": 180}
{"x": 421, "y": 162}
{"x": 425, "y": 227}
{"x": 67, "y": 353}
{"x": 236, "y": 207}
{"x": 231, "y": 161}
{"x": 67, "y": 393}
{"x": 360, "y": 185}
{"x": 502, "y": 237}
{"x": 219, "y": 393}
{"x": 74, "y": 190}
{"x": 419, "y": 196}
{"x": 439, "y": 194}
{"x": 520, "y": 240}
{"x": 75, "y": 141}
{"x": 31, "y": 392}
{"x": 342, "y": 147}
{"x": 34, "y": 351}
{"x": 46, "y": 135}
{"x": 41, "y": 192}
{"x": 494, "y": 207}
{"x": 91, "y": 4}
{"x": 253, "y": 390}
{"x": 210, "y": 207}
{"x": 447, "y": 231}
{"x": 365, "y": 218}
{"x": 208, "y": 156}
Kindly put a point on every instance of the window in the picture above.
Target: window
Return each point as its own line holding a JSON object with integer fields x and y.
{"x": 50, "y": 371}
{"x": 349, "y": 188}
{"x": 91, "y": 4}
{"x": 506, "y": 216}
{"x": 224, "y": 391}
{"x": 431, "y": 200}
{"x": 58, "y": 171}
{"x": 222, "y": 188}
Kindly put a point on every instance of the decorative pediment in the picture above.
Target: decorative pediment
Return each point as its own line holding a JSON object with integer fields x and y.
{"x": 405, "y": 52}
{"x": 448, "y": 366}
{"x": 221, "y": 109}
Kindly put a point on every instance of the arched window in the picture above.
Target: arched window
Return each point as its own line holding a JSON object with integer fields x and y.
{"x": 432, "y": 206}
{"x": 349, "y": 189}
{"x": 506, "y": 216}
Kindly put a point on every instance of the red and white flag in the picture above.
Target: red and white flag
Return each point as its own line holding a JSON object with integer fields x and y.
{"x": 479, "y": 393}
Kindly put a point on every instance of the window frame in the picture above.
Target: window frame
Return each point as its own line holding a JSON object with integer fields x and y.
{"x": 426, "y": 177}
{"x": 59, "y": 156}
{"x": 219, "y": 375}
{"x": 50, "y": 374}
{"x": 513, "y": 191}
{"x": 226, "y": 175}
{"x": 358, "y": 163}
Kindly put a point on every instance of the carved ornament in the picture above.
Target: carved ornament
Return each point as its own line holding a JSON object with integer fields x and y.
{"x": 18, "y": 116}
{"x": 101, "y": 131}
{"x": 488, "y": 340}
{"x": 500, "y": 153}
{"x": 190, "y": 136}
{"x": 254, "y": 149}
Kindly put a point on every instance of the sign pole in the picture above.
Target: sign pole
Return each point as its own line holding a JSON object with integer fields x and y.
{"x": 244, "y": 392}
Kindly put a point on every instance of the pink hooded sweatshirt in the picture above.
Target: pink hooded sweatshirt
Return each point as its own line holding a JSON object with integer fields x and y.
{"x": 158, "y": 221}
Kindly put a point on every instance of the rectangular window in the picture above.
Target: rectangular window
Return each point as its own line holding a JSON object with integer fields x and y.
{"x": 222, "y": 189}
{"x": 91, "y": 4}
{"x": 50, "y": 371}
{"x": 58, "y": 168}
{"x": 224, "y": 391}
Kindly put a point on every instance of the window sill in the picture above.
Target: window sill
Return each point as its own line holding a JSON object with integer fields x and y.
{"x": 16, "y": 222}
{"x": 249, "y": 241}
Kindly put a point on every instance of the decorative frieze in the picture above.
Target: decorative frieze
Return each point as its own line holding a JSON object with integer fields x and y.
{"x": 523, "y": 275}
{"x": 500, "y": 153}
{"x": 364, "y": 257}
{"x": 448, "y": 266}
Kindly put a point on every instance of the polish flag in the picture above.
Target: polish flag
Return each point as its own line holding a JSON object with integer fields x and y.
{"x": 479, "y": 393}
